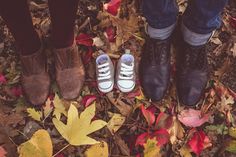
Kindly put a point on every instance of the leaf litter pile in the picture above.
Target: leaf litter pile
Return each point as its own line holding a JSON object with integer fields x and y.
{"x": 118, "y": 124}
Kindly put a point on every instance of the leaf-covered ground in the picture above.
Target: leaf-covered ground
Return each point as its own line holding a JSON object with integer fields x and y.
{"x": 134, "y": 126}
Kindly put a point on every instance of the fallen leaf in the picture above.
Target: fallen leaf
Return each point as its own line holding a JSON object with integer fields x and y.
{"x": 36, "y": 115}
{"x": 176, "y": 131}
{"x": 185, "y": 152}
{"x": 78, "y": 127}
{"x": 122, "y": 145}
{"x": 47, "y": 108}
{"x": 162, "y": 136}
{"x": 59, "y": 108}
{"x": 232, "y": 132}
{"x": 16, "y": 91}
{"x": 2, "y": 152}
{"x": 115, "y": 123}
{"x": 84, "y": 39}
{"x": 2, "y": 79}
{"x": 219, "y": 129}
{"x": 231, "y": 146}
{"x": 151, "y": 148}
{"x": 124, "y": 108}
{"x": 98, "y": 42}
{"x": 198, "y": 142}
{"x": 110, "y": 33}
{"x": 149, "y": 116}
{"x": 233, "y": 22}
{"x": 112, "y": 6}
{"x": 88, "y": 99}
{"x": 40, "y": 145}
{"x": 98, "y": 150}
{"x": 141, "y": 139}
{"x": 192, "y": 118}
{"x": 87, "y": 56}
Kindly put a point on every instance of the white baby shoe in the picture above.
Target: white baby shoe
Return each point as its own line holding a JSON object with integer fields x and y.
{"x": 105, "y": 72}
{"x": 125, "y": 75}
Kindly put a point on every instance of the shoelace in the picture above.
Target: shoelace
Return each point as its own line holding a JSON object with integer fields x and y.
{"x": 197, "y": 58}
{"x": 161, "y": 48}
{"x": 104, "y": 71}
{"x": 126, "y": 71}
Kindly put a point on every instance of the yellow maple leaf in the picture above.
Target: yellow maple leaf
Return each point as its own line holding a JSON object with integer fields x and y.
{"x": 59, "y": 107}
{"x": 115, "y": 123}
{"x": 98, "y": 150}
{"x": 36, "y": 115}
{"x": 151, "y": 149}
{"x": 78, "y": 127}
{"x": 40, "y": 145}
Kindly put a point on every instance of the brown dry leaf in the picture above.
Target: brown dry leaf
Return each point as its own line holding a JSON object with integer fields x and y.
{"x": 233, "y": 50}
{"x": 176, "y": 131}
{"x": 219, "y": 73}
{"x": 125, "y": 28}
{"x": 11, "y": 119}
{"x": 124, "y": 109}
{"x": 226, "y": 104}
{"x": 122, "y": 145}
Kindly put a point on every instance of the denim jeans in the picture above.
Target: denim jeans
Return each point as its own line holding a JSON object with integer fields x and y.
{"x": 200, "y": 19}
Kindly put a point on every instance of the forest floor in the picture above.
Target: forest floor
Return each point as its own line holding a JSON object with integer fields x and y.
{"x": 124, "y": 124}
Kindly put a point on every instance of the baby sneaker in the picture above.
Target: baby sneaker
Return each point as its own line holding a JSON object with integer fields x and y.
{"x": 125, "y": 77}
{"x": 105, "y": 72}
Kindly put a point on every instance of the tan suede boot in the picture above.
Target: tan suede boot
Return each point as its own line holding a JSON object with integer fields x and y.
{"x": 35, "y": 78}
{"x": 69, "y": 71}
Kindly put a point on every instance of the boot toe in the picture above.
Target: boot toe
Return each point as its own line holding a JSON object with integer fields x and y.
{"x": 36, "y": 89}
{"x": 70, "y": 83}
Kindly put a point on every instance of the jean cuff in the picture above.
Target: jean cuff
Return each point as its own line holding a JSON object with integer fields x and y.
{"x": 195, "y": 39}
{"x": 160, "y": 34}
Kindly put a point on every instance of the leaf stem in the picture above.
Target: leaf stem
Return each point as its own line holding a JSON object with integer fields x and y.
{"x": 61, "y": 150}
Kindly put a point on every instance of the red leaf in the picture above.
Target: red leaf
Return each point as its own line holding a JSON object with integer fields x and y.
{"x": 2, "y": 152}
{"x": 149, "y": 116}
{"x": 162, "y": 136}
{"x": 112, "y": 7}
{"x": 88, "y": 99}
{"x": 86, "y": 57}
{"x": 84, "y": 39}
{"x": 196, "y": 143}
{"x": 233, "y": 22}
{"x": 110, "y": 33}
{"x": 2, "y": 79}
{"x": 141, "y": 139}
{"x": 192, "y": 118}
{"x": 16, "y": 91}
{"x": 134, "y": 94}
{"x": 158, "y": 118}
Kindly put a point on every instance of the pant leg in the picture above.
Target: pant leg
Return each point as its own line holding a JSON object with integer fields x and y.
{"x": 18, "y": 19}
{"x": 161, "y": 16}
{"x": 63, "y": 14}
{"x": 200, "y": 19}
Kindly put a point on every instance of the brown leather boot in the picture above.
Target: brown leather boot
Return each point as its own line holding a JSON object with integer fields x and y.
{"x": 70, "y": 72}
{"x": 35, "y": 78}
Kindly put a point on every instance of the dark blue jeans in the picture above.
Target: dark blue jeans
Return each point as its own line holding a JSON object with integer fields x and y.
{"x": 201, "y": 16}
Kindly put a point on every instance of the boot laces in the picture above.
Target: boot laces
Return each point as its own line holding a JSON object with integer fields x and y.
{"x": 158, "y": 52}
{"x": 196, "y": 58}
